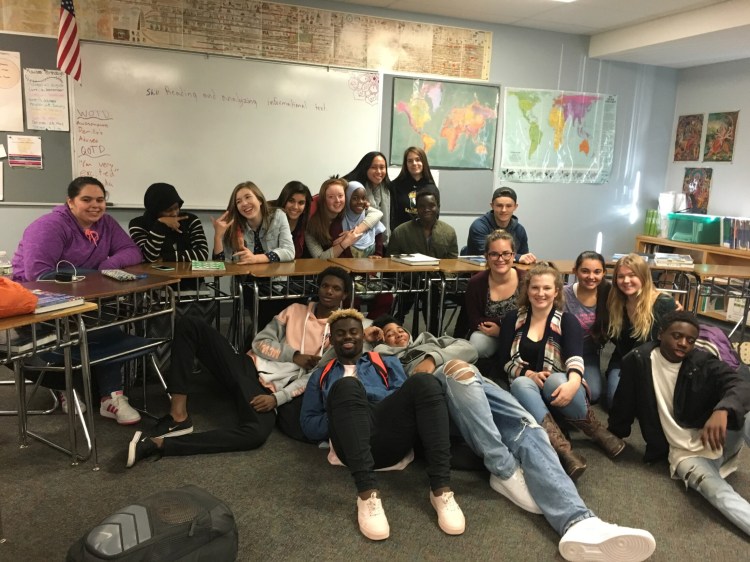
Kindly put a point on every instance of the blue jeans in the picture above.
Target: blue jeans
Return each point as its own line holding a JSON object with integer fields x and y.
{"x": 613, "y": 379}
{"x": 500, "y": 431}
{"x": 537, "y": 400}
{"x": 485, "y": 345}
{"x": 703, "y": 476}
{"x": 592, "y": 374}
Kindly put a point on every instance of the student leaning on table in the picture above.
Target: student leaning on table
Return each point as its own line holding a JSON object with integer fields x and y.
{"x": 250, "y": 230}
{"x": 81, "y": 233}
{"x": 164, "y": 231}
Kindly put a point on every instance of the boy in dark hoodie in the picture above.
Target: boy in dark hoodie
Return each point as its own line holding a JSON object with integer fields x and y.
{"x": 504, "y": 203}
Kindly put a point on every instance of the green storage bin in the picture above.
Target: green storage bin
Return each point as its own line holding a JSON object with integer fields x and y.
{"x": 694, "y": 229}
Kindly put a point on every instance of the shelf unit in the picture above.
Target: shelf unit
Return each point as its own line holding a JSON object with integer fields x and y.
{"x": 701, "y": 253}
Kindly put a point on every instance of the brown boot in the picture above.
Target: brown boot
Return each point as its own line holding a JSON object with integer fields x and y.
{"x": 573, "y": 463}
{"x": 611, "y": 444}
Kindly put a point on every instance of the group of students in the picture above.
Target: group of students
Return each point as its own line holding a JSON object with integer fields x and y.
{"x": 371, "y": 390}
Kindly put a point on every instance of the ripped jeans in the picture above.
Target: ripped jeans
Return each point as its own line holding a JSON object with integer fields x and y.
{"x": 703, "y": 476}
{"x": 505, "y": 435}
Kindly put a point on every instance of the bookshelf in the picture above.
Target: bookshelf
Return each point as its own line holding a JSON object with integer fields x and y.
{"x": 715, "y": 305}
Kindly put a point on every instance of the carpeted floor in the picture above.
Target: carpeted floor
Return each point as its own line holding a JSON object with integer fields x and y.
{"x": 291, "y": 505}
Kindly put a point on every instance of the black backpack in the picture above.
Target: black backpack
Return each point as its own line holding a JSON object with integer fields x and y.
{"x": 183, "y": 525}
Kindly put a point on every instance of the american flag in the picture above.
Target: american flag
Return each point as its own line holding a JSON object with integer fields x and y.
{"x": 68, "y": 51}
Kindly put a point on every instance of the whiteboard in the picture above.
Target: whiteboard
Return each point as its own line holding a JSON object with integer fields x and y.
{"x": 206, "y": 123}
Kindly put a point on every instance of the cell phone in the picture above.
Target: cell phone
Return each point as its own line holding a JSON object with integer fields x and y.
{"x": 163, "y": 267}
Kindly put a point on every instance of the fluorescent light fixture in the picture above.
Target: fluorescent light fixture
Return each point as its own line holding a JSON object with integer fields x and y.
{"x": 564, "y": 1}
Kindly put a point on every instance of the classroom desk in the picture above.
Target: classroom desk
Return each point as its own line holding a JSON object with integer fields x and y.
{"x": 184, "y": 270}
{"x": 119, "y": 303}
{"x": 724, "y": 281}
{"x": 279, "y": 280}
{"x": 66, "y": 336}
{"x": 382, "y": 276}
{"x": 453, "y": 278}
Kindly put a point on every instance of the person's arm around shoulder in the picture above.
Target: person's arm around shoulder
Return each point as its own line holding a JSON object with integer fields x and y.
{"x": 313, "y": 417}
{"x": 372, "y": 217}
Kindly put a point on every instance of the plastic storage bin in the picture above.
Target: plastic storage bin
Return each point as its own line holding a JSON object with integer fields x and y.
{"x": 695, "y": 229}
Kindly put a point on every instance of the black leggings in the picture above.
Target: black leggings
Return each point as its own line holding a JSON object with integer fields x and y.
{"x": 193, "y": 337}
{"x": 369, "y": 435}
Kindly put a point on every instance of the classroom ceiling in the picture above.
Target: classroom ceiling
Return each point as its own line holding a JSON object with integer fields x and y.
{"x": 675, "y": 33}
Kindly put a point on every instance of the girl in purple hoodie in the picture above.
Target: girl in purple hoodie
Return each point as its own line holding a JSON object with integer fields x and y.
{"x": 82, "y": 234}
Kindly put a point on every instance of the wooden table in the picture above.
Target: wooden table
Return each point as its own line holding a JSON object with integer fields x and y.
{"x": 66, "y": 337}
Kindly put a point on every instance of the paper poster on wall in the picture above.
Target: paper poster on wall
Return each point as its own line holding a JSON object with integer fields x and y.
{"x": 46, "y": 99}
{"x": 697, "y": 187}
{"x": 25, "y": 151}
{"x": 557, "y": 136}
{"x": 454, "y": 123}
{"x": 11, "y": 106}
{"x": 687, "y": 141}
{"x": 721, "y": 131}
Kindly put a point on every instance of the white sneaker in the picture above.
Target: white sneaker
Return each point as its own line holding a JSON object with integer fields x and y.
{"x": 64, "y": 403}
{"x": 593, "y": 539}
{"x": 515, "y": 489}
{"x": 371, "y": 518}
{"x": 116, "y": 407}
{"x": 450, "y": 517}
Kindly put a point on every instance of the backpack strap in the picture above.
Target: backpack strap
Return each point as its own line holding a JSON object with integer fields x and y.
{"x": 377, "y": 361}
{"x": 325, "y": 372}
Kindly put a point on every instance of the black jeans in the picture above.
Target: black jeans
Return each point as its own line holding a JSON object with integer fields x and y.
{"x": 369, "y": 435}
{"x": 194, "y": 337}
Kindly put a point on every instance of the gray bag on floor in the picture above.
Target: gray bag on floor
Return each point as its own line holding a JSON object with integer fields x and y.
{"x": 183, "y": 525}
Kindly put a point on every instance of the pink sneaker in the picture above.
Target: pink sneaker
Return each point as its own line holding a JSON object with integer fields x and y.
{"x": 116, "y": 407}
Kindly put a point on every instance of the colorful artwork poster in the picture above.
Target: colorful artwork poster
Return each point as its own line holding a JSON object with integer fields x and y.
{"x": 687, "y": 139}
{"x": 697, "y": 187}
{"x": 455, "y": 123}
{"x": 721, "y": 130}
{"x": 556, "y": 136}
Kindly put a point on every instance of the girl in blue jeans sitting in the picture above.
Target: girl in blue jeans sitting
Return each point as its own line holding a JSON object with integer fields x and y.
{"x": 540, "y": 348}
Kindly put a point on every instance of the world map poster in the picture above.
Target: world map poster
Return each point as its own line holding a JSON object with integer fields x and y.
{"x": 455, "y": 123}
{"x": 557, "y": 136}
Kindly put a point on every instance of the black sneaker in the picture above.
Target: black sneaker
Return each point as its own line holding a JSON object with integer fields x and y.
{"x": 167, "y": 427}
{"x": 141, "y": 446}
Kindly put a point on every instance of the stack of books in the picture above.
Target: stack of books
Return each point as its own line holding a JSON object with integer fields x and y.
{"x": 652, "y": 227}
{"x": 735, "y": 233}
{"x": 49, "y": 301}
{"x": 683, "y": 261}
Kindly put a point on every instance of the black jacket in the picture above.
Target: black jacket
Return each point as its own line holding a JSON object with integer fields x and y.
{"x": 704, "y": 384}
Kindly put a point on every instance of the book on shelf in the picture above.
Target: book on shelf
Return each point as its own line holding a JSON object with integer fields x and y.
{"x": 673, "y": 260}
{"x": 735, "y": 233}
{"x": 208, "y": 265}
{"x": 476, "y": 260}
{"x": 415, "y": 259}
{"x": 49, "y": 301}
{"x": 646, "y": 257}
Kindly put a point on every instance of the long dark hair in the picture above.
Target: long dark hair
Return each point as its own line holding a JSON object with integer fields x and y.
{"x": 295, "y": 187}
{"x": 359, "y": 173}
{"x": 426, "y": 172}
{"x": 75, "y": 187}
{"x": 601, "y": 313}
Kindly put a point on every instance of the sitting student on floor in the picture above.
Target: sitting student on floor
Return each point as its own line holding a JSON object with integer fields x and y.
{"x": 500, "y": 217}
{"x": 513, "y": 447}
{"x": 373, "y": 416}
{"x": 263, "y": 382}
{"x": 692, "y": 409}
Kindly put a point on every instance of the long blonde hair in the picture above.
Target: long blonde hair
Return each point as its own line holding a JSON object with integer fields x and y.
{"x": 319, "y": 224}
{"x": 643, "y": 314}
{"x": 240, "y": 224}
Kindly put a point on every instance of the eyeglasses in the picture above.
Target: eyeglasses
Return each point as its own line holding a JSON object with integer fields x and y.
{"x": 497, "y": 255}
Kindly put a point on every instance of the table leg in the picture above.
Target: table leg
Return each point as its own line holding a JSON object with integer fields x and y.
{"x": 21, "y": 392}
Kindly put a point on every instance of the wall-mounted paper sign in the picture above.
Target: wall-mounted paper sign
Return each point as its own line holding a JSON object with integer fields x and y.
{"x": 46, "y": 99}
{"x": 24, "y": 151}
{"x": 11, "y": 107}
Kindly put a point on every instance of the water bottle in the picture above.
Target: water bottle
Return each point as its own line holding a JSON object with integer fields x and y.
{"x": 5, "y": 268}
